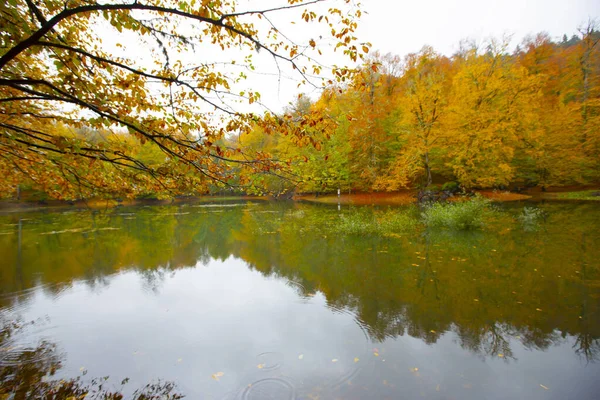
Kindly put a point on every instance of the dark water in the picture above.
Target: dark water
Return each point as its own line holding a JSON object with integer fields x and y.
{"x": 266, "y": 301}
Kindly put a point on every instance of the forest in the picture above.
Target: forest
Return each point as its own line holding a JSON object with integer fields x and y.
{"x": 482, "y": 118}
{"x": 485, "y": 117}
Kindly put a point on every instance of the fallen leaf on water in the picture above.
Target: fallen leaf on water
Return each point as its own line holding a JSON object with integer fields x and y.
{"x": 415, "y": 265}
{"x": 334, "y": 360}
{"x": 432, "y": 331}
{"x": 414, "y": 369}
{"x": 217, "y": 375}
{"x": 437, "y": 388}
{"x": 385, "y": 382}
{"x": 260, "y": 366}
{"x": 179, "y": 360}
{"x": 475, "y": 299}
{"x": 500, "y": 355}
{"x": 544, "y": 387}
{"x": 301, "y": 356}
{"x": 538, "y": 309}
{"x": 356, "y": 359}
{"x": 376, "y": 354}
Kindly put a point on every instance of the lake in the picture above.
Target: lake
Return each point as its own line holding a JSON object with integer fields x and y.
{"x": 254, "y": 300}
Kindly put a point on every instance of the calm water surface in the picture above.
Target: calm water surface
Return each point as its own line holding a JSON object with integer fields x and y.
{"x": 265, "y": 301}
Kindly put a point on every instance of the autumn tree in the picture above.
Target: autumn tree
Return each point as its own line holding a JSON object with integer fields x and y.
{"x": 489, "y": 111}
{"x": 371, "y": 108}
{"x": 423, "y": 101}
{"x": 141, "y": 67}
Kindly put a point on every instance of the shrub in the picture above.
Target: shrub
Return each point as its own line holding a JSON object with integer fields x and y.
{"x": 461, "y": 216}
{"x": 450, "y": 187}
{"x": 433, "y": 188}
{"x": 394, "y": 221}
{"x": 360, "y": 222}
{"x": 357, "y": 223}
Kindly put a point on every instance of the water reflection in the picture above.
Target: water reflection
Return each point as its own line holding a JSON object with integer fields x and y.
{"x": 266, "y": 300}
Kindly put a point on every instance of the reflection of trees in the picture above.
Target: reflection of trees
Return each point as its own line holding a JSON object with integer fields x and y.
{"x": 28, "y": 373}
{"x": 486, "y": 287}
{"x": 490, "y": 339}
{"x": 489, "y": 288}
{"x": 587, "y": 347}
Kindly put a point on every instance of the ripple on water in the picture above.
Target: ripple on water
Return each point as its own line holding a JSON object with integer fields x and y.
{"x": 270, "y": 388}
{"x": 270, "y": 361}
{"x": 17, "y": 355}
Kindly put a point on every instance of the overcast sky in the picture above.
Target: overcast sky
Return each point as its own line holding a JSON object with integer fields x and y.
{"x": 403, "y": 27}
{"x": 395, "y": 26}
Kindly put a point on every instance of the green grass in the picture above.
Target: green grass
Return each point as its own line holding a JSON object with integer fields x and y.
{"x": 365, "y": 222}
{"x": 583, "y": 195}
{"x": 467, "y": 215}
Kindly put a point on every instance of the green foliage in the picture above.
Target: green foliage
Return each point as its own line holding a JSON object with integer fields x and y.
{"x": 460, "y": 216}
{"x": 364, "y": 222}
{"x": 450, "y": 186}
{"x": 583, "y": 195}
{"x": 467, "y": 215}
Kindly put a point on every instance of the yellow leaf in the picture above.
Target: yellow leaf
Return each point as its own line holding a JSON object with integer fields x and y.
{"x": 544, "y": 387}
{"x": 376, "y": 354}
{"x": 356, "y": 359}
{"x": 217, "y": 375}
{"x": 334, "y": 360}
{"x": 260, "y": 366}
{"x": 500, "y": 355}
{"x": 301, "y": 356}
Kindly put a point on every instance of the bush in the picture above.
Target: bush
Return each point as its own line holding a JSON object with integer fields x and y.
{"x": 357, "y": 223}
{"x": 450, "y": 187}
{"x": 398, "y": 221}
{"x": 461, "y": 216}
{"x": 360, "y": 222}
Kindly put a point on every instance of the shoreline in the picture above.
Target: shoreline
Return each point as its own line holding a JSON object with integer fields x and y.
{"x": 403, "y": 197}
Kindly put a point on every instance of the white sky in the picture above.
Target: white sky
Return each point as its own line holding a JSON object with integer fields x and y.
{"x": 398, "y": 27}
{"x": 402, "y": 27}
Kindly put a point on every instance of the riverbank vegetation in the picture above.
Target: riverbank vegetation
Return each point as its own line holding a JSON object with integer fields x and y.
{"x": 80, "y": 121}
{"x": 483, "y": 118}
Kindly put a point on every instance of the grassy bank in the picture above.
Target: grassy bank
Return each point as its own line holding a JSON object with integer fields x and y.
{"x": 589, "y": 195}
